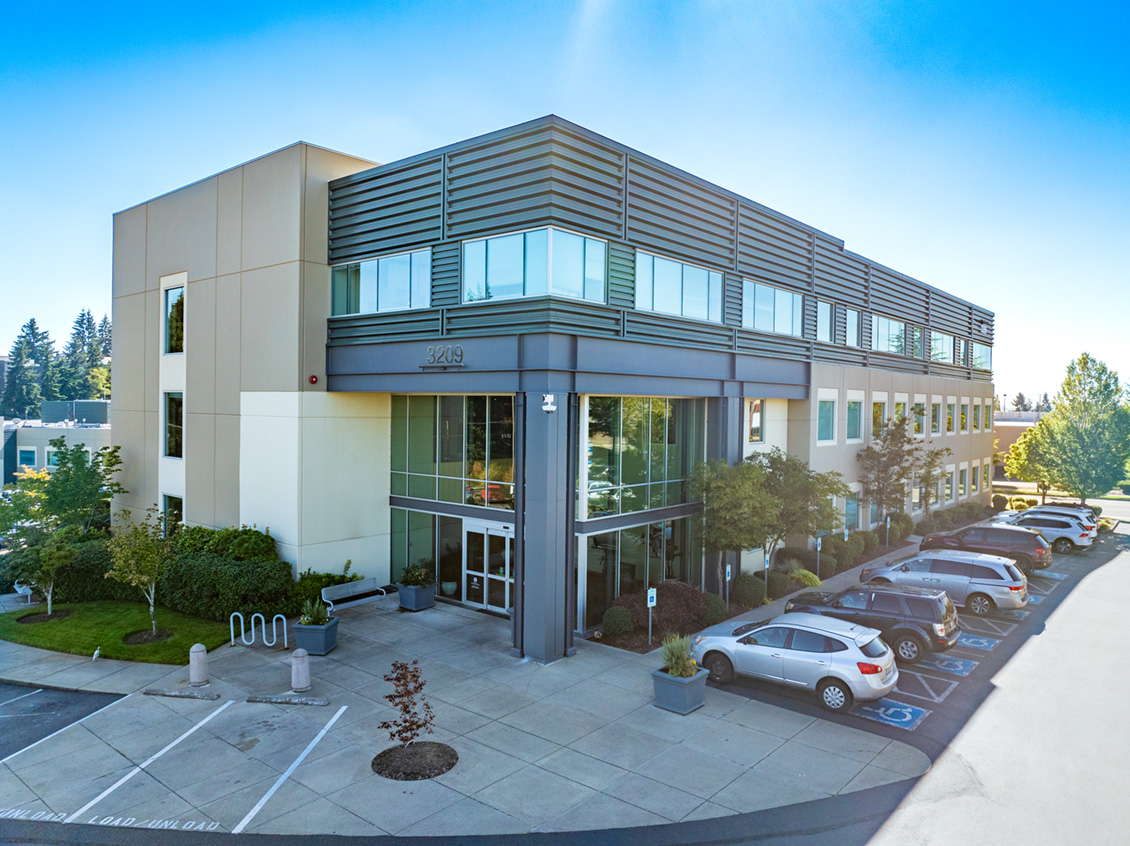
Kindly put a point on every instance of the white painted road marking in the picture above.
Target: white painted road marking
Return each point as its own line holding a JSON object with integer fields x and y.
{"x": 142, "y": 766}
{"x": 259, "y": 805}
{"x": 64, "y": 728}
{"x": 24, "y": 696}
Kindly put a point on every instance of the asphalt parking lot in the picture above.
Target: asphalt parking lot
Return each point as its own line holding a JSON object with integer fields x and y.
{"x": 29, "y": 715}
{"x": 938, "y": 694}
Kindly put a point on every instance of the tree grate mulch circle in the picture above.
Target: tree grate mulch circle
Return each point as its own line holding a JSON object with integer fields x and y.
{"x": 43, "y": 617}
{"x": 146, "y": 636}
{"x": 415, "y": 762}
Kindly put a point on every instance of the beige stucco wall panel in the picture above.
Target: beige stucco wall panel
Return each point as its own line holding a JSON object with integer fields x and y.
{"x": 227, "y": 470}
{"x": 272, "y": 193}
{"x": 315, "y": 313}
{"x": 200, "y": 346}
{"x": 128, "y": 348}
{"x": 128, "y": 430}
{"x": 227, "y": 350}
{"x": 182, "y": 233}
{"x": 269, "y": 468}
{"x": 269, "y": 320}
{"x": 200, "y": 469}
{"x": 151, "y": 327}
{"x": 229, "y": 222}
{"x": 129, "y": 251}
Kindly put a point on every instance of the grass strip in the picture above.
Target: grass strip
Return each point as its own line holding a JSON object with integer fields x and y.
{"x": 104, "y": 624}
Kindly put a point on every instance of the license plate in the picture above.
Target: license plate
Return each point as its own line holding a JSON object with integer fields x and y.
{"x": 886, "y": 674}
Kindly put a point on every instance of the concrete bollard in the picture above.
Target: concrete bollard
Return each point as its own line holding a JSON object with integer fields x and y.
{"x": 198, "y": 666}
{"x": 300, "y": 671}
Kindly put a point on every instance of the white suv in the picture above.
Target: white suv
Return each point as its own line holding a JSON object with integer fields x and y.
{"x": 1064, "y": 532}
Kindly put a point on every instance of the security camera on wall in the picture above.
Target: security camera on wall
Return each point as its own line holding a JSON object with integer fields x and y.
{"x": 548, "y": 405}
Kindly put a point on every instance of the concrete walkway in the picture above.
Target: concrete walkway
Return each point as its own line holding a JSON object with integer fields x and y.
{"x": 575, "y": 745}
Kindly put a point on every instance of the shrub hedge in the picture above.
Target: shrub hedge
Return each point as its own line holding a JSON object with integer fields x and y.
{"x": 1000, "y": 502}
{"x": 748, "y": 590}
{"x": 807, "y": 558}
{"x": 803, "y": 578}
{"x": 715, "y": 609}
{"x": 680, "y": 608}
{"x": 243, "y": 544}
{"x": 870, "y": 540}
{"x": 213, "y": 587}
{"x": 618, "y": 621}
{"x": 84, "y": 579}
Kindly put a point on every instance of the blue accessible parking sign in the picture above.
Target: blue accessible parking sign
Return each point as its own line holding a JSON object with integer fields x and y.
{"x": 976, "y": 641}
{"x": 891, "y": 713}
{"x": 948, "y": 664}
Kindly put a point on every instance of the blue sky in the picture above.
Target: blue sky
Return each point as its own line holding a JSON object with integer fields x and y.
{"x": 981, "y": 147}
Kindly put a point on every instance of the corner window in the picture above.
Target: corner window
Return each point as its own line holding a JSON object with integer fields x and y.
{"x": 676, "y": 288}
{"x": 824, "y": 312}
{"x": 826, "y": 421}
{"x": 174, "y": 425}
{"x": 888, "y": 335}
{"x": 941, "y": 347}
{"x": 174, "y": 320}
{"x": 769, "y": 309}
{"x": 756, "y": 427}
{"x": 982, "y": 356}
{"x": 851, "y": 321}
{"x": 391, "y": 283}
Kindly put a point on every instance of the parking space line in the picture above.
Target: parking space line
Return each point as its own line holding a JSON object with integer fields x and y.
{"x": 63, "y": 729}
{"x": 18, "y": 698}
{"x": 259, "y": 805}
{"x": 1042, "y": 590}
{"x": 1010, "y": 614}
{"x": 141, "y": 767}
{"x": 934, "y": 689}
{"x": 983, "y": 626}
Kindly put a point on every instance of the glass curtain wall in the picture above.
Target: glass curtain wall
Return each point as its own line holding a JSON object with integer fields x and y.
{"x": 434, "y": 540}
{"x": 633, "y": 559}
{"x": 640, "y": 451}
{"x": 454, "y": 449}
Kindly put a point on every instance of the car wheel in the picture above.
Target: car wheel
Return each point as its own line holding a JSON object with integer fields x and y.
{"x": 834, "y": 695}
{"x": 1063, "y": 545}
{"x": 980, "y": 604}
{"x": 908, "y": 649}
{"x": 721, "y": 670}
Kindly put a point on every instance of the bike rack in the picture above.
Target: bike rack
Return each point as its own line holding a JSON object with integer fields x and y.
{"x": 262, "y": 628}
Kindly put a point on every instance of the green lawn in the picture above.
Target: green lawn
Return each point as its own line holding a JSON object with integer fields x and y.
{"x": 104, "y": 624}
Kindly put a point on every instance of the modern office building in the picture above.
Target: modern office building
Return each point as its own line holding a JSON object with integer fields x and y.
{"x": 504, "y": 358}
{"x": 26, "y": 445}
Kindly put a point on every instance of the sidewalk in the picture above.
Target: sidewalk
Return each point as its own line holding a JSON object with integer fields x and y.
{"x": 576, "y": 745}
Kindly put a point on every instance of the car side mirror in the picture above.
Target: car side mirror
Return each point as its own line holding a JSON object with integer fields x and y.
{"x": 748, "y": 640}
{"x": 838, "y": 604}
{"x": 904, "y": 569}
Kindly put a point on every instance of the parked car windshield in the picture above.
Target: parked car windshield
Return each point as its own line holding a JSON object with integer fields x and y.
{"x": 874, "y": 648}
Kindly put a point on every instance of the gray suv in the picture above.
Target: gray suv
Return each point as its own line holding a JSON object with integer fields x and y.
{"x": 973, "y": 580}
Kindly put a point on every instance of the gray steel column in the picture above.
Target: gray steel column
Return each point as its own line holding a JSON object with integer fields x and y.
{"x": 518, "y": 565}
{"x": 547, "y": 486}
{"x": 723, "y": 442}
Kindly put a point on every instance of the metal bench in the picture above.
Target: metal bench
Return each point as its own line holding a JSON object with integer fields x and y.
{"x": 23, "y": 590}
{"x": 349, "y": 594}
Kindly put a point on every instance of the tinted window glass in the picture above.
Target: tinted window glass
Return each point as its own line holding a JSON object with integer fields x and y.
{"x": 945, "y": 567}
{"x": 923, "y": 609}
{"x": 833, "y": 645}
{"x": 918, "y": 565}
{"x": 1003, "y": 536}
{"x": 980, "y": 572}
{"x": 808, "y": 641}
{"x": 1014, "y": 571}
{"x": 772, "y": 636}
{"x": 974, "y": 535}
{"x": 1041, "y": 541}
{"x": 874, "y": 648}
{"x": 884, "y": 603}
{"x": 855, "y": 599}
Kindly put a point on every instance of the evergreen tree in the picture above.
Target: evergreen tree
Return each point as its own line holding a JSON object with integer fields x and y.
{"x": 1044, "y": 403}
{"x": 78, "y": 356}
{"x": 1021, "y": 402}
{"x": 105, "y": 335}
{"x": 22, "y": 397}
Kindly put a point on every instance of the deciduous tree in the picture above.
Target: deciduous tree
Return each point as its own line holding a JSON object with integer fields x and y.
{"x": 82, "y": 484}
{"x": 1029, "y": 461}
{"x": 141, "y": 551}
{"x": 888, "y": 464}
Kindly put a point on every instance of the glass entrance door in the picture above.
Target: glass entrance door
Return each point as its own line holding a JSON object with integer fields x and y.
{"x": 488, "y": 555}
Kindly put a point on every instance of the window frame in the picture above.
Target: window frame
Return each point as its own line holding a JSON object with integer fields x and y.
{"x": 170, "y": 429}
{"x": 760, "y": 412}
{"x": 825, "y": 321}
{"x": 715, "y": 288}
{"x": 34, "y": 450}
{"x": 750, "y": 290}
{"x": 166, "y": 318}
{"x": 829, "y": 396}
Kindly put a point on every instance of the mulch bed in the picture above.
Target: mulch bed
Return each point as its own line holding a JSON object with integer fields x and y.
{"x": 146, "y": 636}
{"x": 417, "y": 761}
{"x": 43, "y": 617}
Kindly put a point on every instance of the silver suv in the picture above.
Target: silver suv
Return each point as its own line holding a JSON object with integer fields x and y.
{"x": 1063, "y": 531}
{"x": 973, "y": 580}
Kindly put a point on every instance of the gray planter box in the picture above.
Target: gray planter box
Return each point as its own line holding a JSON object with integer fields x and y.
{"x": 416, "y": 598}
{"x": 679, "y": 695}
{"x": 317, "y": 640}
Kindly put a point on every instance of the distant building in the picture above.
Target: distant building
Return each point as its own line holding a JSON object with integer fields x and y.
{"x": 26, "y": 444}
{"x": 1009, "y": 426}
{"x": 3, "y": 372}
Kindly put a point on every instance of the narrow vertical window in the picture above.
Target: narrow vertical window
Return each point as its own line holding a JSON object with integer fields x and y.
{"x": 756, "y": 428}
{"x": 851, "y": 321}
{"x": 826, "y": 420}
{"x": 174, "y": 320}
{"x": 174, "y": 425}
{"x": 824, "y": 321}
{"x": 854, "y": 420}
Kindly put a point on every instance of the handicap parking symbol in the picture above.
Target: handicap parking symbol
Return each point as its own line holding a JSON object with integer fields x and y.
{"x": 1013, "y": 614}
{"x": 977, "y": 641}
{"x": 1050, "y": 574}
{"x": 1034, "y": 599}
{"x": 892, "y": 713}
{"x": 948, "y": 664}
